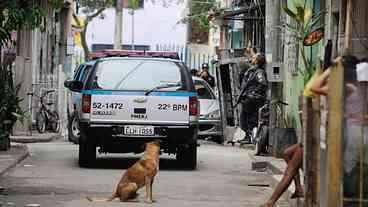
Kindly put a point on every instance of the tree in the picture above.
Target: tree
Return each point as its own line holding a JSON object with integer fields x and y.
{"x": 14, "y": 15}
{"x": 91, "y": 9}
{"x": 201, "y": 13}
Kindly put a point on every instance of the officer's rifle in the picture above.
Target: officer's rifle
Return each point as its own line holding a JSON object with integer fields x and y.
{"x": 243, "y": 90}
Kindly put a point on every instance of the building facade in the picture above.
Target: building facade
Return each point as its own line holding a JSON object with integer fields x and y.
{"x": 345, "y": 26}
{"x": 42, "y": 56}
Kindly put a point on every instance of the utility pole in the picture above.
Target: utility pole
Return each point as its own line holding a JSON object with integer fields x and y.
{"x": 273, "y": 54}
{"x": 133, "y": 48}
{"x": 348, "y": 26}
{"x": 118, "y": 25}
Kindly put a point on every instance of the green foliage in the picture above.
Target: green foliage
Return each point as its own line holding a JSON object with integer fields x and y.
{"x": 133, "y": 4}
{"x": 10, "y": 109}
{"x": 56, "y": 4}
{"x": 306, "y": 22}
{"x": 200, "y": 12}
{"x": 91, "y": 7}
{"x": 15, "y": 14}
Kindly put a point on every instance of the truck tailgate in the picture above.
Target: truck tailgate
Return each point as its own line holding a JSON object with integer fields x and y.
{"x": 139, "y": 109}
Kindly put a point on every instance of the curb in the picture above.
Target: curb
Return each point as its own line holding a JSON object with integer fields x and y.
{"x": 261, "y": 163}
{"x": 23, "y": 139}
{"x": 24, "y": 154}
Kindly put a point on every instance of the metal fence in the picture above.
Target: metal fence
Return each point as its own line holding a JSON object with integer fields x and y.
{"x": 192, "y": 59}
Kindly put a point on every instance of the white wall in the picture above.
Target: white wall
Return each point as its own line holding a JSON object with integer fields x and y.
{"x": 154, "y": 24}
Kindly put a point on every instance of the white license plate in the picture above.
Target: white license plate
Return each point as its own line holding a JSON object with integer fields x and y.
{"x": 139, "y": 130}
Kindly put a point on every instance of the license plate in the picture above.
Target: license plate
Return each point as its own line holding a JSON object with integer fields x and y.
{"x": 139, "y": 130}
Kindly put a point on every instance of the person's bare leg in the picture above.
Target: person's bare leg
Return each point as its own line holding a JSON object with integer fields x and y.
{"x": 291, "y": 170}
{"x": 288, "y": 154}
{"x": 299, "y": 192}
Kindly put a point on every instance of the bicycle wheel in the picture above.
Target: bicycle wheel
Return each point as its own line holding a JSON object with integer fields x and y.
{"x": 55, "y": 122}
{"x": 40, "y": 122}
{"x": 262, "y": 140}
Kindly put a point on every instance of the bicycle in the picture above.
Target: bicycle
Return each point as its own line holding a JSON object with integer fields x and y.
{"x": 45, "y": 117}
{"x": 260, "y": 134}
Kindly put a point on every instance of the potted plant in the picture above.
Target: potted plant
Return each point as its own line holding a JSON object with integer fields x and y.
{"x": 14, "y": 15}
{"x": 10, "y": 110}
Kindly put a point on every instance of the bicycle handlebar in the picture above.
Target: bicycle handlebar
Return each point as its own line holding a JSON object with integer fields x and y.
{"x": 47, "y": 92}
{"x": 278, "y": 102}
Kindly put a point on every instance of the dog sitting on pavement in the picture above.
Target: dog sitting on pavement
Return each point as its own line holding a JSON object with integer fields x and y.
{"x": 142, "y": 173}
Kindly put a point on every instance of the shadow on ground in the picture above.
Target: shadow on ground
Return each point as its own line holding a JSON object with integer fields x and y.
{"x": 121, "y": 162}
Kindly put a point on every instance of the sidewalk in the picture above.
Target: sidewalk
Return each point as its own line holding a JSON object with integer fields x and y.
{"x": 19, "y": 151}
{"x": 276, "y": 168}
{"x": 12, "y": 157}
{"x": 35, "y": 137}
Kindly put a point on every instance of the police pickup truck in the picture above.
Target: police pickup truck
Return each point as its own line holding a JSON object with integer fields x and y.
{"x": 135, "y": 97}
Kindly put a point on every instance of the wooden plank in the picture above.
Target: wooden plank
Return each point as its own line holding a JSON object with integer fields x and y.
{"x": 316, "y": 103}
{"x": 348, "y": 26}
{"x": 316, "y": 152}
{"x": 361, "y": 178}
{"x": 312, "y": 152}
{"x": 311, "y": 129}
{"x": 311, "y": 144}
{"x": 334, "y": 136}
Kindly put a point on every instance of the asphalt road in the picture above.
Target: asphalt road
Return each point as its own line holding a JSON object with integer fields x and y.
{"x": 51, "y": 177}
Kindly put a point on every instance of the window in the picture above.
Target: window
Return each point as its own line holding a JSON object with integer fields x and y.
{"x": 203, "y": 90}
{"x": 85, "y": 72}
{"x": 137, "y": 74}
{"x": 77, "y": 72}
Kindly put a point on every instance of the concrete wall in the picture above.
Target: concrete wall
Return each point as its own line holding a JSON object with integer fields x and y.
{"x": 293, "y": 80}
{"x": 38, "y": 62}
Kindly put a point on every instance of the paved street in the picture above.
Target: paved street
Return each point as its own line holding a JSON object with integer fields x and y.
{"x": 51, "y": 177}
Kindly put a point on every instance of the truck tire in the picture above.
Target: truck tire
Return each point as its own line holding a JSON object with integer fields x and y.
{"x": 73, "y": 129}
{"x": 187, "y": 157}
{"x": 87, "y": 150}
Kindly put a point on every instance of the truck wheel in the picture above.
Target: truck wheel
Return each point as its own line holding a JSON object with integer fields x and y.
{"x": 187, "y": 157}
{"x": 87, "y": 150}
{"x": 73, "y": 129}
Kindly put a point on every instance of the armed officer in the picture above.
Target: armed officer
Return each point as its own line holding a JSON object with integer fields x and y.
{"x": 253, "y": 92}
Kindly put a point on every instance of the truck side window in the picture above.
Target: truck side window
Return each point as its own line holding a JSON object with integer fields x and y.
{"x": 85, "y": 72}
{"x": 78, "y": 72}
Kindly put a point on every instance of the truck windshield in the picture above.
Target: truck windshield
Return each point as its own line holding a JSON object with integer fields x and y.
{"x": 136, "y": 74}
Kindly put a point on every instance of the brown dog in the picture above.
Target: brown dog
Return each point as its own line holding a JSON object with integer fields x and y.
{"x": 142, "y": 173}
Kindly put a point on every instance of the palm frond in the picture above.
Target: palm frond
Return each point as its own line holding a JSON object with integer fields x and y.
{"x": 289, "y": 12}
